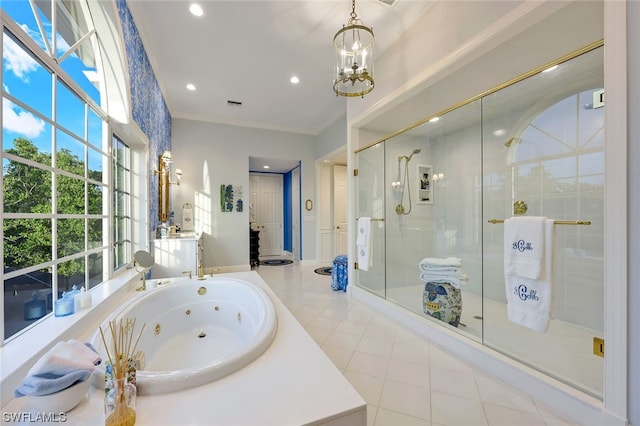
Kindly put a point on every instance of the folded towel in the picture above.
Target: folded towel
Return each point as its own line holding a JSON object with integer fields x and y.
{"x": 65, "y": 364}
{"x": 440, "y": 261}
{"x": 454, "y": 280}
{"x": 524, "y": 246}
{"x": 441, "y": 269}
{"x": 49, "y": 383}
{"x": 363, "y": 243}
{"x": 529, "y": 301}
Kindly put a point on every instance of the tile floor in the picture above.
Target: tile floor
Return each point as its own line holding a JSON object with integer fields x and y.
{"x": 405, "y": 378}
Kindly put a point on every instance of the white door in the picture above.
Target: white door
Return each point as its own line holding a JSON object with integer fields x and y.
{"x": 324, "y": 213}
{"x": 340, "y": 208}
{"x": 266, "y": 211}
{"x": 295, "y": 213}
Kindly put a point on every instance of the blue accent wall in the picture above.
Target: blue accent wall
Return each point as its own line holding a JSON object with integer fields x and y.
{"x": 148, "y": 107}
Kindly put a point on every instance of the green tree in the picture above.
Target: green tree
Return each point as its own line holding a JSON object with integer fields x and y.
{"x": 28, "y": 189}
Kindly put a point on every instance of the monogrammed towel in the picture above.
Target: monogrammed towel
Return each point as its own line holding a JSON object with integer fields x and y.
{"x": 530, "y": 301}
{"x": 524, "y": 246}
{"x": 363, "y": 243}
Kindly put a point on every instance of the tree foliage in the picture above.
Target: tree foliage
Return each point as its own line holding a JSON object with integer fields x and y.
{"x": 28, "y": 189}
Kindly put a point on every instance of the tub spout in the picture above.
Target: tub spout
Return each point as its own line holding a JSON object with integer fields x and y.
{"x": 187, "y": 272}
{"x": 143, "y": 278}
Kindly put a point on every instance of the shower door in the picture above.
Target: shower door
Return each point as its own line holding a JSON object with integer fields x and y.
{"x": 538, "y": 142}
{"x": 543, "y": 147}
{"x": 370, "y": 202}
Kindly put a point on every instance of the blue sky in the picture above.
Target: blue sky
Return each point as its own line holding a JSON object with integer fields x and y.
{"x": 28, "y": 81}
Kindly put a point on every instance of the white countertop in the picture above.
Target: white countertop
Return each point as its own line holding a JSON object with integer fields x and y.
{"x": 292, "y": 383}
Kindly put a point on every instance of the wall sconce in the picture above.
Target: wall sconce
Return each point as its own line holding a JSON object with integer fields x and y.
{"x": 438, "y": 179}
{"x": 164, "y": 181}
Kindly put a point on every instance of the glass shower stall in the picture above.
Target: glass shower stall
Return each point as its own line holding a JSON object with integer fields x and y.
{"x": 442, "y": 189}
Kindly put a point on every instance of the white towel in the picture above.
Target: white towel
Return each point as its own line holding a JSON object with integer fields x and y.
{"x": 64, "y": 357}
{"x": 440, "y": 269}
{"x": 454, "y": 280}
{"x": 363, "y": 243}
{"x": 524, "y": 246}
{"x": 530, "y": 301}
{"x": 429, "y": 262}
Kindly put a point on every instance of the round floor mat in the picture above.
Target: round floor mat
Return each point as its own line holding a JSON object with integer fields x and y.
{"x": 276, "y": 262}
{"x": 323, "y": 271}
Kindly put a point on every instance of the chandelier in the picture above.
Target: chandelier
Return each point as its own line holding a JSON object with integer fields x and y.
{"x": 354, "y": 57}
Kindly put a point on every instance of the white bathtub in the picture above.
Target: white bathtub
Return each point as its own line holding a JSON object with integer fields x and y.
{"x": 197, "y": 331}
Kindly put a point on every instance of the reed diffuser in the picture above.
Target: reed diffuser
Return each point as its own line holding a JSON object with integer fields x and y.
{"x": 120, "y": 397}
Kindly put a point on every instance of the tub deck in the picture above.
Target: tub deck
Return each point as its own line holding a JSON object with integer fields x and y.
{"x": 292, "y": 383}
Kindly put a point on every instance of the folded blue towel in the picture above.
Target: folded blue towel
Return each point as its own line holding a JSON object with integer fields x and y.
{"x": 65, "y": 364}
{"x": 47, "y": 384}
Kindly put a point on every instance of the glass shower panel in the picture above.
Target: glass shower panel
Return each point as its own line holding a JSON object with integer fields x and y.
{"x": 434, "y": 187}
{"x": 543, "y": 145}
{"x": 370, "y": 203}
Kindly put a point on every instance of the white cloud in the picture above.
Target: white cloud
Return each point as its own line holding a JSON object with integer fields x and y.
{"x": 18, "y": 61}
{"x": 22, "y": 122}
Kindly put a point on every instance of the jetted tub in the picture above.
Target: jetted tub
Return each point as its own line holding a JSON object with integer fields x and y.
{"x": 196, "y": 331}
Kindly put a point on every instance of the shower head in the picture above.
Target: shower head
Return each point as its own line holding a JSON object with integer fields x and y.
{"x": 415, "y": 151}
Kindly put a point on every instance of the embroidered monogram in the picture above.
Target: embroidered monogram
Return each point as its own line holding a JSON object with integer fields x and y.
{"x": 522, "y": 245}
{"x": 525, "y": 294}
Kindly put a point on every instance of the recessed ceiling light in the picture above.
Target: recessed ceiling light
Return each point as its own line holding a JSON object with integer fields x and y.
{"x": 550, "y": 68}
{"x": 191, "y": 87}
{"x": 294, "y": 80}
{"x": 265, "y": 167}
{"x": 196, "y": 9}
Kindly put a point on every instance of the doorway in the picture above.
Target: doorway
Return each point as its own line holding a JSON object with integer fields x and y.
{"x": 331, "y": 180}
{"x": 266, "y": 212}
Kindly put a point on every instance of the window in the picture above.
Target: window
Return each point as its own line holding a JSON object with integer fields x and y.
{"x": 55, "y": 163}
{"x": 121, "y": 203}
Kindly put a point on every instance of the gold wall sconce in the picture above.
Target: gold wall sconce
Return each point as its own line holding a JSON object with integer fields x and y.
{"x": 164, "y": 182}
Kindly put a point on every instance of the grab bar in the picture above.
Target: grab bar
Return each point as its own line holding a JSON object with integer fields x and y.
{"x": 374, "y": 219}
{"x": 557, "y": 222}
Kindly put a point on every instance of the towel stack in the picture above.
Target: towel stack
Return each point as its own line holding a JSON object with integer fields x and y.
{"x": 64, "y": 365}
{"x": 443, "y": 270}
{"x": 442, "y": 298}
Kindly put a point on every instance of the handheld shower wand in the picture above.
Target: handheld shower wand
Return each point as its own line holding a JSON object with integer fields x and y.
{"x": 400, "y": 209}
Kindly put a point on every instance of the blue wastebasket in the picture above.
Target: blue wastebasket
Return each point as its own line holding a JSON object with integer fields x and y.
{"x": 339, "y": 273}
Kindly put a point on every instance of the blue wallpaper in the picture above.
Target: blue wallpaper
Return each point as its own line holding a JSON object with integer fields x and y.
{"x": 148, "y": 107}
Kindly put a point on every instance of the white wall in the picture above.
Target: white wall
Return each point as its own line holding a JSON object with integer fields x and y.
{"x": 332, "y": 138}
{"x": 213, "y": 154}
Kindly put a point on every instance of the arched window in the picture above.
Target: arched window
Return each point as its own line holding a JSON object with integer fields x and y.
{"x": 56, "y": 162}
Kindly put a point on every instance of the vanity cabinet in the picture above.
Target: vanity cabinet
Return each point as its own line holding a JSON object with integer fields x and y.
{"x": 176, "y": 257}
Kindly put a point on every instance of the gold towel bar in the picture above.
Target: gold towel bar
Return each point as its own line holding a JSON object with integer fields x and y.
{"x": 557, "y": 222}
{"x": 375, "y": 220}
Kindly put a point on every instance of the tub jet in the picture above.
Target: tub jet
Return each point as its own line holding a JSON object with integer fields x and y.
{"x": 201, "y": 335}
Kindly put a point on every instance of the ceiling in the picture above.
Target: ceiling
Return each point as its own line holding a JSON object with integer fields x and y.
{"x": 246, "y": 51}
